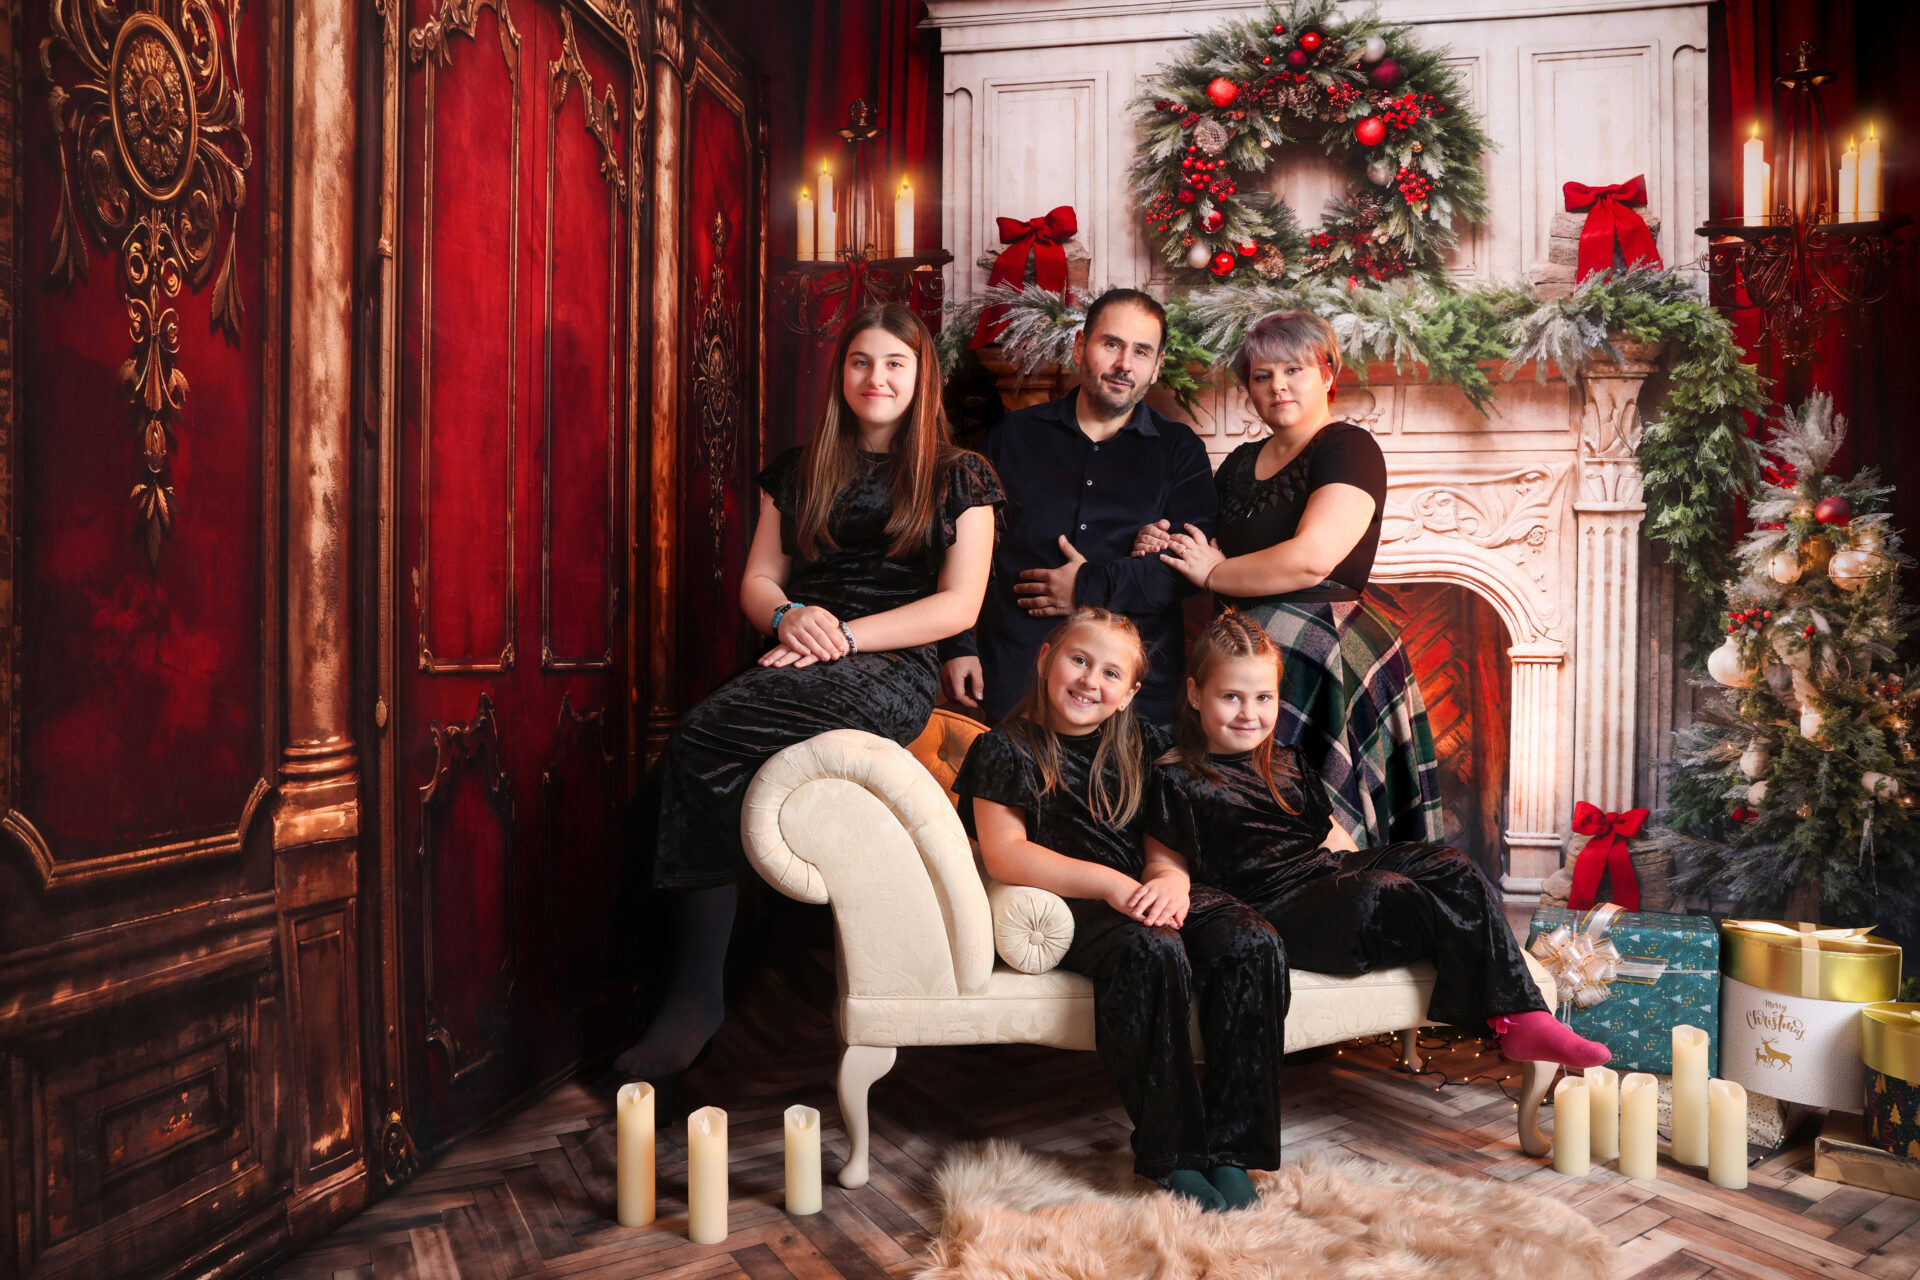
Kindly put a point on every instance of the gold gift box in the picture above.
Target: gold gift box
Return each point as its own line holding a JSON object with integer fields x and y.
{"x": 1855, "y": 970}
{"x": 1890, "y": 1040}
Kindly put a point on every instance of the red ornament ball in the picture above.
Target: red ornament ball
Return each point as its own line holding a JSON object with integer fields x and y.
{"x": 1248, "y": 249}
{"x": 1279, "y": 30}
{"x": 1296, "y": 58}
{"x": 1212, "y": 220}
{"x": 1370, "y": 131}
{"x": 1222, "y": 264}
{"x": 1833, "y": 510}
{"x": 1221, "y": 91}
{"x": 1385, "y": 74}
{"x": 1186, "y": 195}
{"x": 1310, "y": 41}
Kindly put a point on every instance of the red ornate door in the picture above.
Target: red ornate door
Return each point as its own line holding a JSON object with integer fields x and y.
{"x": 510, "y": 378}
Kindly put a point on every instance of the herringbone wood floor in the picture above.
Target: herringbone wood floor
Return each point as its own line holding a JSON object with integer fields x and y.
{"x": 533, "y": 1195}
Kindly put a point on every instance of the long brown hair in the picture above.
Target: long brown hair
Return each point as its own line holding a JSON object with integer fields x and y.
{"x": 921, "y": 447}
{"x": 1121, "y": 743}
{"x": 1231, "y": 634}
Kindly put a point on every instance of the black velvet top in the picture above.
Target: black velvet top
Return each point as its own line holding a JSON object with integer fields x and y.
{"x": 998, "y": 769}
{"x": 1235, "y": 837}
{"x": 1256, "y": 514}
{"x": 856, "y": 576}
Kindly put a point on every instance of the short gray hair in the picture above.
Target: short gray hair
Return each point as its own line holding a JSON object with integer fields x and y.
{"x": 1287, "y": 335}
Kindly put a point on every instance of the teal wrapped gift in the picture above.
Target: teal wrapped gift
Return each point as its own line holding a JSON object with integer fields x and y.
{"x": 1667, "y": 975}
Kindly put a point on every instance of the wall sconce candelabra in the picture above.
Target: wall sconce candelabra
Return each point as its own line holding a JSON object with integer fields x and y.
{"x": 1810, "y": 243}
{"x": 850, "y": 252}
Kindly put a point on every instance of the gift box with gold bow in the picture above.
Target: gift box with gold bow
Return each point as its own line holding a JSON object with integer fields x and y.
{"x": 1628, "y": 978}
{"x": 1790, "y": 1002}
{"x": 1890, "y": 1048}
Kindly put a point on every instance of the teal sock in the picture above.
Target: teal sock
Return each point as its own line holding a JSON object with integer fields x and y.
{"x": 1231, "y": 1181}
{"x": 1193, "y": 1184}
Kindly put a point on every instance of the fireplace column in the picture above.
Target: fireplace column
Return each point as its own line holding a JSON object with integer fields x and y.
{"x": 1608, "y": 512}
{"x": 1533, "y": 819}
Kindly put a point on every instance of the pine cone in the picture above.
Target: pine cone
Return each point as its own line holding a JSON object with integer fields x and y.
{"x": 1369, "y": 207}
{"x": 1271, "y": 264}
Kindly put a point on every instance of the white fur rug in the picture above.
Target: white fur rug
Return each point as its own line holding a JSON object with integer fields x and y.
{"x": 1012, "y": 1214}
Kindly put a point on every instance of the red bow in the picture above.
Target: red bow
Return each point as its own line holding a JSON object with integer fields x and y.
{"x": 1606, "y": 851}
{"x": 1036, "y": 237}
{"x": 1611, "y": 220}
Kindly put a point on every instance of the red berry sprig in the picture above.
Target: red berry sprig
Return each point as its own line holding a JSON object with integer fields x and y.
{"x": 1754, "y": 618}
{"x": 1414, "y": 185}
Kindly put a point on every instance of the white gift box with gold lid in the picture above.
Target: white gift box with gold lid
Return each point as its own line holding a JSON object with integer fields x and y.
{"x": 1790, "y": 1002}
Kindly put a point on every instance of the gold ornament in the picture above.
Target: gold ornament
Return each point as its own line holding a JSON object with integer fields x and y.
{"x": 1816, "y": 553}
{"x": 1783, "y": 566}
{"x": 1851, "y": 570}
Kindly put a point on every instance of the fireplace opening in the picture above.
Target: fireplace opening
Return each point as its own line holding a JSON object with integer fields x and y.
{"x": 1458, "y": 647}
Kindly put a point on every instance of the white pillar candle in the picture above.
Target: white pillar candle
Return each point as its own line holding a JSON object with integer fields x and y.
{"x": 1689, "y": 1095}
{"x": 903, "y": 221}
{"x": 805, "y": 216}
{"x": 1727, "y": 1135}
{"x": 1869, "y": 200}
{"x": 803, "y": 1160}
{"x": 1572, "y": 1127}
{"x": 1847, "y": 199}
{"x": 1639, "y": 1136}
{"x": 707, "y": 1176}
{"x": 633, "y": 1154}
{"x": 827, "y": 244}
{"x": 1753, "y": 177}
{"x": 1603, "y": 1103}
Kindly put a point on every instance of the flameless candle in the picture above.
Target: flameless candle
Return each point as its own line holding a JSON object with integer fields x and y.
{"x": 805, "y": 213}
{"x": 827, "y": 245}
{"x": 1603, "y": 1102}
{"x": 1869, "y": 202}
{"x": 1689, "y": 1095}
{"x": 1848, "y": 197}
{"x": 633, "y": 1154}
{"x": 803, "y": 1160}
{"x": 1572, "y": 1127}
{"x": 707, "y": 1176}
{"x": 1639, "y": 1138}
{"x": 1753, "y": 175}
{"x": 903, "y": 221}
{"x": 1727, "y": 1135}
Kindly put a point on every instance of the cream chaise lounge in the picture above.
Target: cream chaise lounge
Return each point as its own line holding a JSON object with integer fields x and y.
{"x": 862, "y": 824}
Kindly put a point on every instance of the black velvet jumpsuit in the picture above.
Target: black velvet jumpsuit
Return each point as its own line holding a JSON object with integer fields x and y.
{"x": 1343, "y": 912}
{"x": 1147, "y": 981}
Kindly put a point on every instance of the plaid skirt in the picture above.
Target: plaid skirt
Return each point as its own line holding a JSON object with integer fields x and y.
{"x": 1349, "y": 701}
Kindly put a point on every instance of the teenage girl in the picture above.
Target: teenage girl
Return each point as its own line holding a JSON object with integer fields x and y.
{"x": 1252, "y": 817}
{"x": 1054, "y": 795}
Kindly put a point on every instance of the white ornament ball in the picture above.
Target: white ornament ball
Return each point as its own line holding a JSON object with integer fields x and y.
{"x": 1810, "y": 723}
{"x": 1757, "y": 794}
{"x": 1381, "y": 172}
{"x": 1199, "y": 257}
{"x": 1723, "y": 664}
{"x": 1755, "y": 759}
{"x": 1784, "y": 566}
{"x": 1850, "y": 570}
{"x": 1374, "y": 49}
{"x": 1880, "y": 786}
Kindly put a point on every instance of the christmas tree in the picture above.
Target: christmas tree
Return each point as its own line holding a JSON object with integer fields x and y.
{"x": 1795, "y": 790}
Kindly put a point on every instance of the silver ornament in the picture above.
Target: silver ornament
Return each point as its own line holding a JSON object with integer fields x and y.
{"x": 1380, "y": 172}
{"x": 1880, "y": 786}
{"x": 1757, "y": 794}
{"x": 1199, "y": 257}
{"x": 1756, "y": 759}
{"x": 1374, "y": 49}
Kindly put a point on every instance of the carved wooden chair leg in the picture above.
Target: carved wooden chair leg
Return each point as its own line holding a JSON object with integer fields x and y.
{"x": 1410, "y": 1049}
{"x": 860, "y": 1066}
{"x": 1535, "y": 1079}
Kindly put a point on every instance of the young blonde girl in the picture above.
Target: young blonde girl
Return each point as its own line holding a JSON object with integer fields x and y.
{"x": 1252, "y": 817}
{"x": 1054, "y": 795}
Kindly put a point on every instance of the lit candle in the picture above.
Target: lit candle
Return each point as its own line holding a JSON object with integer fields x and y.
{"x": 1603, "y": 1102}
{"x": 1753, "y": 176}
{"x": 1727, "y": 1135}
{"x": 1689, "y": 1095}
{"x": 1572, "y": 1127}
{"x": 1869, "y": 203}
{"x": 828, "y": 243}
{"x": 805, "y": 213}
{"x": 1848, "y": 198}
{"x": 903, "y": 221}
{"x": 633, "y": 1154}
{"x": 707, "y": 1176}
{"x": 1639, "y": 1137}
{"x": 803, "y": 1160}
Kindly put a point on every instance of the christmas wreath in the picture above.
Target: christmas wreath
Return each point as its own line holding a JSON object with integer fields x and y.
{"x": 1360, "y": 89}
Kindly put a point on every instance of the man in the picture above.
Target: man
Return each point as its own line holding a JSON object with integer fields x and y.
{"x": 1082, "y": 475}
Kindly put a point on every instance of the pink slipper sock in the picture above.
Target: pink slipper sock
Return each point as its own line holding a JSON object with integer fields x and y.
{"x": 1536, "y": 1036}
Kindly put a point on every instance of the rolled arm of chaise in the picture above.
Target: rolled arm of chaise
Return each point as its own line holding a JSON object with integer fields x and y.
{"x": 854, "y": 821}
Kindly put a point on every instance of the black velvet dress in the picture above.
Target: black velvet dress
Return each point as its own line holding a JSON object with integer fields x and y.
{"x": 1146, "y": 981}
{"x": 702, "y": 776}
{"x": 1342, "y": 912}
